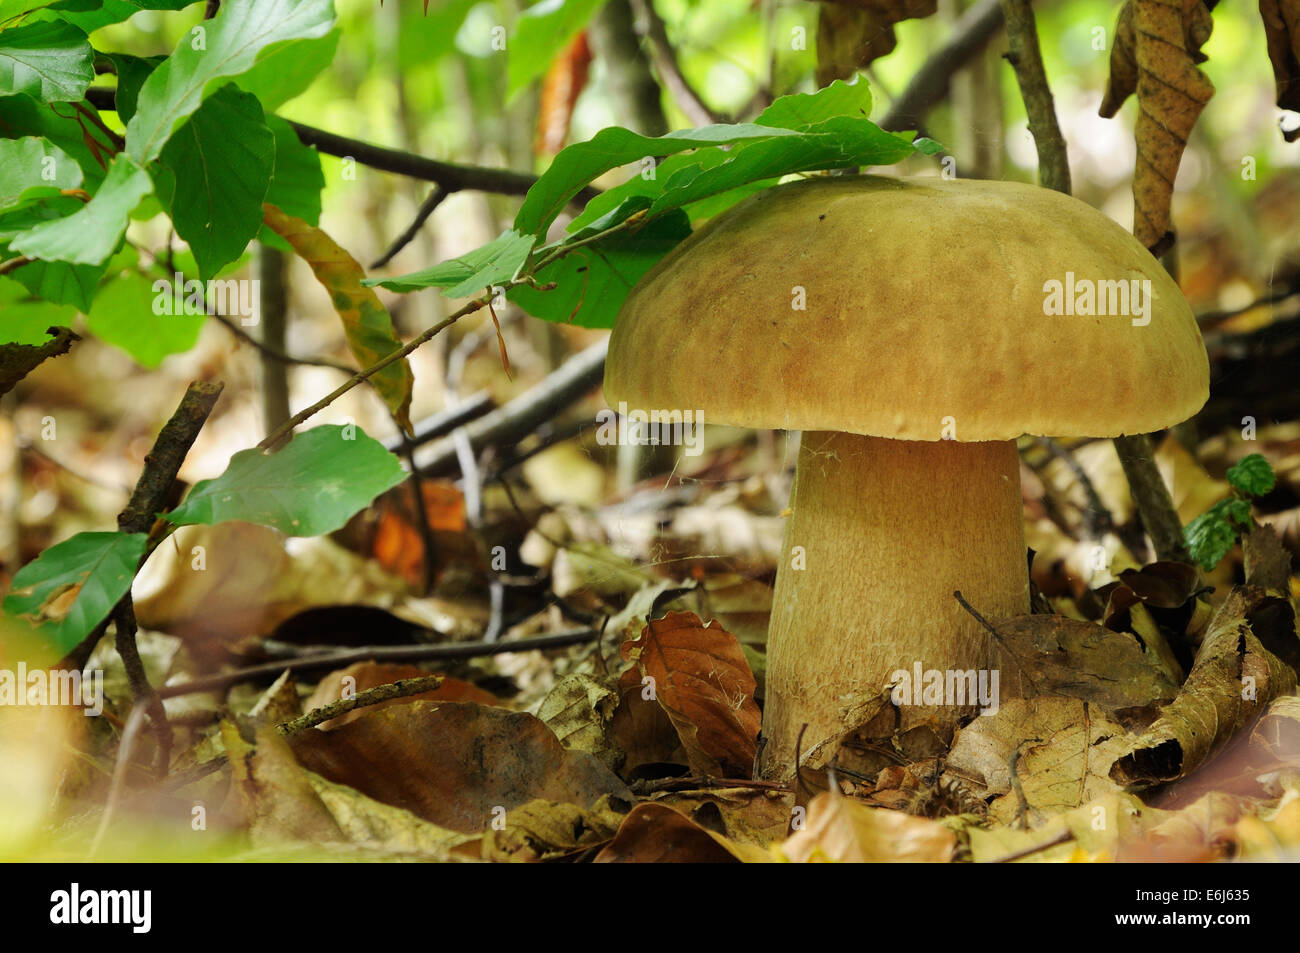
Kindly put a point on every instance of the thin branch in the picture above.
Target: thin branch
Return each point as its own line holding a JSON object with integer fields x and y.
{"x": 401, "y": 241}
{"x": 652, "y": 29}
{"x": 402, "y": 688}
{"x": 378, "y": 653}
{"x": 451, "y": 176}
{"x": 972, "y": 32}
{"x": 1026, "y": 59}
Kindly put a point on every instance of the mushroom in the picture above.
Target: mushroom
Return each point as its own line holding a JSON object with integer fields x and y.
{"x": 913, "y": 330}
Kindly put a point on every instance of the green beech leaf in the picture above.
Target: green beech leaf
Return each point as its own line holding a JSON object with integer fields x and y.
{"x": 33, "y": 168}
{"x": 23, "y": 116}
{"x": 801, "y": 110}
{"x": 123, "y": 314}
{"x": 221, "y": 160}
{"x": 72, "y": 586}
{"x": 297, "y": 180}
{"x": 90, "y": 15}
{"x": 90, "y": 235}
{"x": 231, "y": 44}
{"x": 62, "y": 283}
{"x": 51, "y": 62}
{"x": 592, "y": 281}
{"x": 577, "y": 165}
{"x": 319, "y": 481}
{"x": 492, "y": 264}
{"x": 289, "y": 69}
{"x": 1253, "y": 476}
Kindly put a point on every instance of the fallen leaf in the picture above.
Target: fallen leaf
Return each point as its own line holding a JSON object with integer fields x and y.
{"x": 363, "y": 675}
{"x": 580, "y": 710}
{"x": 655, "y": 833}
{"x": 703, "y": 682}
{"x": 456, "y": 764}
{"x": 840, "y": 829}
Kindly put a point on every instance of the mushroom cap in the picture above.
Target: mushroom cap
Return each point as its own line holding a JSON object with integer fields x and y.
{"x": 924, "y": 299}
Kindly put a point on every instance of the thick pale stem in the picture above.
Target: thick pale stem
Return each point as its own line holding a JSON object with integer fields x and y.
{"x": 881, "y": 534}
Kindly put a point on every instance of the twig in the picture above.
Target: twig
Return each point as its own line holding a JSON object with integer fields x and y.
{"x": 970, "y": 35}
{"x": 1097, "y": 519}
{"x": 13, "y": 264}
{"x": 385, "y": 653}
{"x": 401, "y": 688}
{"x": 401, "y": 241}
{"x": 961, "y": 600}
{"x": 511, "y": 422}
{"x": 1062, "y": 838}
{"x": 125, "y": 746}
{"x": 1154, "y": 504}
{"x": 444, "y": 421}
{"x": 651, "y": 28}
{"x": 1027, "y": 61}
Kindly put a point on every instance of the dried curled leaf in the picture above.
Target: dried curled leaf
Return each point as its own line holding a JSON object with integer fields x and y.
{"x": 1234, "y": 678}
{"x": 853, "y": 33}
{"x": 1282, "y": 30}
{"x": 655, "y": 833}
{"x": 701, "y": 679}
{"x": 1157, "y": 46}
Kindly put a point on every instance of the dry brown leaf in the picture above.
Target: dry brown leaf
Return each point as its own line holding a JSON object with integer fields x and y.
{"x": 641, "y": 728}
{"x": 580, "y": 710}
{"x": 703, "y": 682}
{"x": 1233, "y": 661}
{"x": 1065, "y": 748}
{"x": 853, "y": 33}
{"x": 1053, "y": 655}
{"x": 745, "y": 815}
{"x": 655, "y": 833}
{"x": 1282, "y": 30}
{"x": 271, "y": 793}
{"x": 840, "y": 829}
{"x": 1157, "y": 46}
{"x": 563, "y": 83}
{"x": 456, "y": 764}
{"x": 363, "y": 675}
{"x": 546, "y": 830}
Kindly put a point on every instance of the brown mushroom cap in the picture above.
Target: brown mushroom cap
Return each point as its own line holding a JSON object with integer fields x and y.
{"x": 924, "y": 300}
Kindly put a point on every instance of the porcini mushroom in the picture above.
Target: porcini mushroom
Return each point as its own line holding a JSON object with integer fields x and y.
{"x": 913, "y": 330}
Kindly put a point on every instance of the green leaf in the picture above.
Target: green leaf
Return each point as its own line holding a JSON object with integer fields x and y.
{"x": 72, "y": 586}
{"x": 51, "y": 62}
{"x": 297, "y": 181}
{"x": 32, "y": 168}
{"x": 23, "y": 116}
{"x": 366, "y": 322}
{"x": 124, "y": 315}
{"x": 592, "y": 281}
{"x": 287, "y": 71}
{"x": 492, "y": 264}
{"x": 24, "y": 322}
{"x": 62, "y": 283}
{"x": 233, "y": 42}
{"x": 89, "y": 235}
{"x": 1253, "y": 476}
{"x": 319, "y": 481}
{"x": 1214, "y": 532}
{"x": 541, "y": 33}
{"x": 91, "y": 15}
{"x": 800, "y": 110}
{"x": 577, "y": 165}
{"x": 132, "y": 72}
{"x": 222, "y": 159}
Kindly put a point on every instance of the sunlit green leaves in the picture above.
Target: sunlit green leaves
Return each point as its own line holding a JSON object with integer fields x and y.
{"x": 32, "y": 168}
{"x": 221, "y": 160}
{"x": 124, "y": 315}
{"x": 72, "y": 586}
{"x": 51, "y": 62}
{"x": 89, "y": 235}
{"x": 224, "y": 47}
{"x": 314, "y": 485}
{"x": 491, "y": 264}
{"x": 1253, "y": 476}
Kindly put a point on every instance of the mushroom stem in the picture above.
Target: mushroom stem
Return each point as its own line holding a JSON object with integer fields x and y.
{"x": 881, "y": 534}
